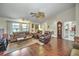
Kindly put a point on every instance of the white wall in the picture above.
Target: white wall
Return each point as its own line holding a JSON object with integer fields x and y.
{"x": 3, "y": 24}
{"x": 52, "y": 26}
{"x": 77, "y": 19}
{"x": 64, "y": 16}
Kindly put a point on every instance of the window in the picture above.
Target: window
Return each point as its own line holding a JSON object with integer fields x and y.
{"x": 25, "y": 27}
{"x": 15, "y": 27}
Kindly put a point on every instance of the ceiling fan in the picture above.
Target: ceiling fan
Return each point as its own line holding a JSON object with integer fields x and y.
{"x": 38, "y": 15}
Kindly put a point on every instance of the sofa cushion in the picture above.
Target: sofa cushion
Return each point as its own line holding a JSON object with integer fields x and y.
{"x": 20, "y": 38}
{"x": 75, "y": 52}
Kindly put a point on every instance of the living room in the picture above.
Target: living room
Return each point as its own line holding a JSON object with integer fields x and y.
{"x": 42, "y": 29}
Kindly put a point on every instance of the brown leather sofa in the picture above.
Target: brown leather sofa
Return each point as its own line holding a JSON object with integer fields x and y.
{"x": 45, "y": 38}
{"x": 20, "y": 36}
{"x": 37, "y": 35}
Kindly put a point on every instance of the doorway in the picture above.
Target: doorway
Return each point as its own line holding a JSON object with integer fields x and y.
{"x": 69, "y": 31}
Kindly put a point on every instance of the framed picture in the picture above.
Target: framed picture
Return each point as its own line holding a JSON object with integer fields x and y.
{"x": 32, "y": 25}
{"x": 36, "y": 26}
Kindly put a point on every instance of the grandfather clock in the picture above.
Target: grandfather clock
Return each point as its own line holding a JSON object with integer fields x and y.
{"x": 59, "y": 30}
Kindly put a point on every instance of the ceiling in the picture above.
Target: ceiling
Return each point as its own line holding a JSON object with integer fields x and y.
{"x": 23, "y": 10}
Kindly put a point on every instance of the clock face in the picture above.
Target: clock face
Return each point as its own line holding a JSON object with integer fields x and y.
{"x": 59, "y": 25}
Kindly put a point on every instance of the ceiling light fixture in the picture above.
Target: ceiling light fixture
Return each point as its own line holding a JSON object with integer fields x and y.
{"x": 38, "y": 15}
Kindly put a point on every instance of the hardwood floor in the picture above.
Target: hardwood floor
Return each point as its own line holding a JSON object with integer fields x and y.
{"x": 56, "y": 47}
